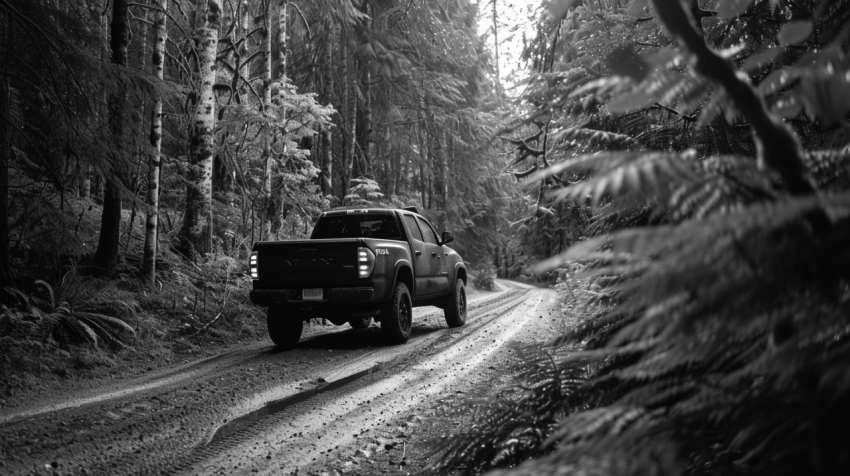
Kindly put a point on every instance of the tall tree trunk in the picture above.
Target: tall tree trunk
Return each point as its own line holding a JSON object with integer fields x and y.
{"x": 137, "y": 179}
{"x": 5, "y": 160}
{"x": 364, "y": 143}
{"x": 423, "y": 196}
{"x": 283, "y": 90}
{"x": 265, "y": 205}
{"x": 422, "y": 139}
{"x": 243, "y": 52}
{"x": 348, "y": 131}
{"x": 282, "y": 34}
{"x": 439, "y": 168}
{"x": 365, "y": 140}
{"x": 401, "y": 176}
{"x": 195, "y": 235}
{"x": 326, "y": 134}
{"x": 106, "y": 256}
{"x": 99, "y": 15}
{"x": 496, "y": 46}
{"x": 85, "y": 182}
{"x": 160, "y": 35}
{"x": 352, "y": 127}
{"x": 445, "y": 169}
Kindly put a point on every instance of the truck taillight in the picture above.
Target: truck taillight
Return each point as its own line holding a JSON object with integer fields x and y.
{"x": 365, "y": 262}
{"x": 253, "y": 265}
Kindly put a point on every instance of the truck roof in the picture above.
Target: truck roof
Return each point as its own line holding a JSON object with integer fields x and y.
{"x": 369, "y": 211}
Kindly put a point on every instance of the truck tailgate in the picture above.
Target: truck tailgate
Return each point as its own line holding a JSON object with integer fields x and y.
{"x": 305, "y": 263}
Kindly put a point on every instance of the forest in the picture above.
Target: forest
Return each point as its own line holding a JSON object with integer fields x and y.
{"x": 676, "y": 170}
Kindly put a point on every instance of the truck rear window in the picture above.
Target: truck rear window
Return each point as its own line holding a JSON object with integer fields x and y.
{"x": 357, "y": 226}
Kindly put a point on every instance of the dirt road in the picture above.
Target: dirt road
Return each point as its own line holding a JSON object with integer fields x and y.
{"x": 260, "y": 411}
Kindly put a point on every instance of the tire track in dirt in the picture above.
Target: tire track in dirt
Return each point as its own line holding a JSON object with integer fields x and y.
{"x": 152, "y": 422}
{"x": 202, "y": 444}
{"x": 299, "y": 433}
{"x": 208, "y": 367}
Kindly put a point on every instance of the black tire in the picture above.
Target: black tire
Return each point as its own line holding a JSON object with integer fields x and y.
{"x": 360, "y": 322}
{"x": 284, "y": 327}
{"x": 455, "y": 308}
{"x": 397, "y": 316}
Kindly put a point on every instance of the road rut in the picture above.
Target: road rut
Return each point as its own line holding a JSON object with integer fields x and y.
{"x": 262, "y": 411}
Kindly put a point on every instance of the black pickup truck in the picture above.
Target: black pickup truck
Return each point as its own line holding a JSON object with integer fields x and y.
{"x": 359, "y": 264}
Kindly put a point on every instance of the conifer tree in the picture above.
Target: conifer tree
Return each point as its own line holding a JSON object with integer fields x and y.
{"x": 106, "y": 256}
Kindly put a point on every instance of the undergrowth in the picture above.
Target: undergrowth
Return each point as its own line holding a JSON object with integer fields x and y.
{"x": 483, "y": 277}
{"x": 79, "y": 326}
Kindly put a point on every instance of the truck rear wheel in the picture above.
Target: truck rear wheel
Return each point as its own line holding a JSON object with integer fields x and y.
{"x": 397, "y": 316}
{"x": 455, "y": 309}
{"x": 284, "y": 327}
{"x": 360, "y": 322}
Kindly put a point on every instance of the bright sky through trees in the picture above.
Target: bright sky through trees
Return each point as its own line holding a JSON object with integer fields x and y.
{"x": 513, "y": 19}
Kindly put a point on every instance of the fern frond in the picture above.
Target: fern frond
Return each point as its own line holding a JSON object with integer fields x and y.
{"x": 830, "y": 168}
{"x": 584, "y": 141}
{"x": 624, "y": 173}
{"x": 98, "y": 328}
{"x": 21, "y": 298}
{"x": 648, "y": 448}
{"x": 110, "y": 321}
{"x": 501, "y": 436}
{"x": 48, "y": 289}
{"x": 79, "y": 329}
{"x": 596, "y": 423}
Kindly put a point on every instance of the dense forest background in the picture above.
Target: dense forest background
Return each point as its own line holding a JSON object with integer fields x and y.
{"x": 147, "y": 145}
{"x": 222, "y": 123}
{"x": 678, "y": 169}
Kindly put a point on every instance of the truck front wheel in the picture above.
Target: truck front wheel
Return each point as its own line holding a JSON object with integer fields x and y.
{"x": 397, "y": 316}
{"x": 455, "y": 308}
{"x": 284, "y": 327}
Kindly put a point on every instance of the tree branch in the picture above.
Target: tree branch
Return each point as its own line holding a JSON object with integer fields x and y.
{"x": 521, "y": 175}
{"x": 778, "y": 147}
{"x": 303, "y": 19}
{"x": 658, "y": 105}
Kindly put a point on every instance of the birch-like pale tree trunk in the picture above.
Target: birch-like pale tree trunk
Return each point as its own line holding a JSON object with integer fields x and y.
{"x": 268, "y": 163}
{"x": 282, "y": 45}
{"x": 160, "y": 36}
{"x": 282, "y": 33}
{"x": 243, "y": 53}
{"x": 105, "y": 258}
{"x": 195, "y": 237}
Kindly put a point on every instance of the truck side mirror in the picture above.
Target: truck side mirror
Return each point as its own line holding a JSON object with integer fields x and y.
{"x": 448, "y": 237}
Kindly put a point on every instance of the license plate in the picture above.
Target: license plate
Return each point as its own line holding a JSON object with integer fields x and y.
{"x": 312, "y": 294}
